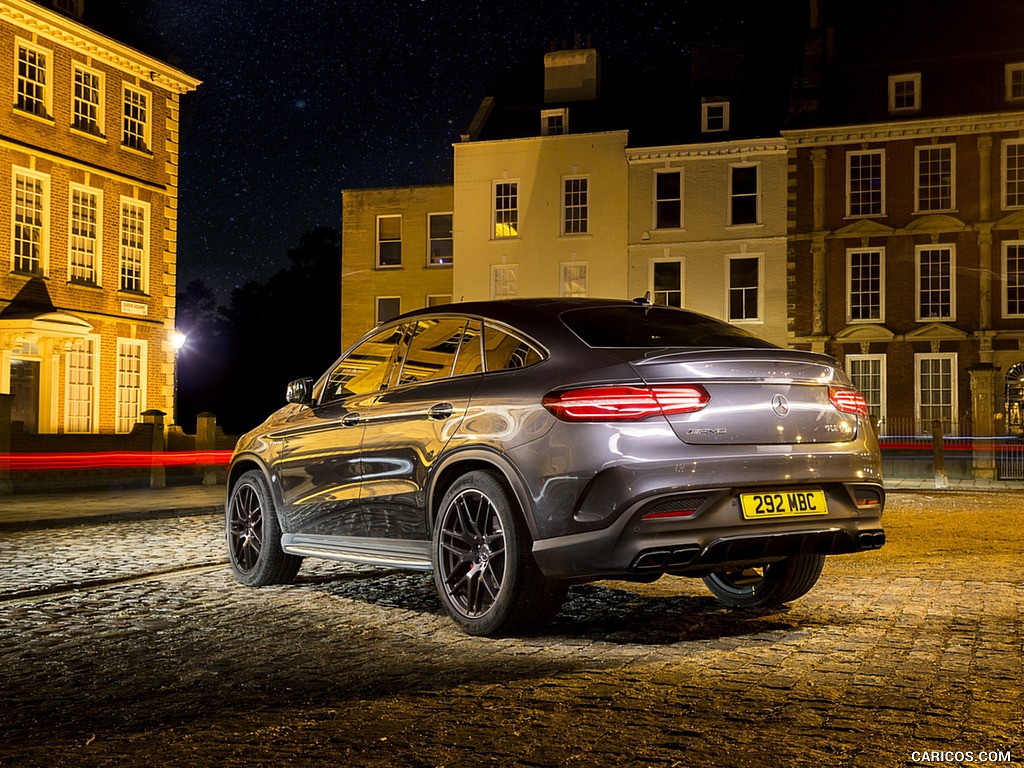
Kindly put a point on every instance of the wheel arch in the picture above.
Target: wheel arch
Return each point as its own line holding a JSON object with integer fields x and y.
{"x": 242, "y": 464}
{"x": 463, "y": 462}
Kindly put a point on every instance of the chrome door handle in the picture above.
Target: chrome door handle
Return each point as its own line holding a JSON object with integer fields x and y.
{"x": 350, "y": 419}
{"x": 441, "y": 411}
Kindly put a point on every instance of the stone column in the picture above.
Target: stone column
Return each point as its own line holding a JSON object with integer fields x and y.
{"x": 158, "y": 473}
{"x": 206, "y": 440}
{"x": 984, "y": 385}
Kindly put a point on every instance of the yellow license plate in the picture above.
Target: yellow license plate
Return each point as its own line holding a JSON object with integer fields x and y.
{"x": 783, "y": 504}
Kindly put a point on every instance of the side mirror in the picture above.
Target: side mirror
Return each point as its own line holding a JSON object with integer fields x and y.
{"x": 300, "y": 391}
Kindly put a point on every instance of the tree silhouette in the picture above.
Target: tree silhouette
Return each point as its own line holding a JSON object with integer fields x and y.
{"x": 239, "y": 358}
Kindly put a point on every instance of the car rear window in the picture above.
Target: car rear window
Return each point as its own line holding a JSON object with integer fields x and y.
{"x": 647, "y": 326}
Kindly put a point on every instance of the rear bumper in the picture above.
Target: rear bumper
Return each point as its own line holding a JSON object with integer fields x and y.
{"x": 713, "y": 536}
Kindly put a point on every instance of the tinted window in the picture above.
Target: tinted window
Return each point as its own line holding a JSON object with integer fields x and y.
{"x": 638, "y": 326}
{"x": 364, "y": 369}
{"x": 504, "y": 349}
{"x": 431, "y": 349}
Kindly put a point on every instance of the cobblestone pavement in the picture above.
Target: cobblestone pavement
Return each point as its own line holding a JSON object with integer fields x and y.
{"x": 130, "y": 644}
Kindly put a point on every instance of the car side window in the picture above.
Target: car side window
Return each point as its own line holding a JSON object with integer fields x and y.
{"x": 471, "y": 356}
{"x": 431, "y": 349}
{"x": 365, "y": 368}
{"x": 505, "y": 350}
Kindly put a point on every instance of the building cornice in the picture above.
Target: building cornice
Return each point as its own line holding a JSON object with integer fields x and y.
{"x": 562, "y": 137}
{"x": 71, "y": 162}
{"x": 60, "y": 29}
{"x": 716, "y": 149}
{"x": 906, "y": 129}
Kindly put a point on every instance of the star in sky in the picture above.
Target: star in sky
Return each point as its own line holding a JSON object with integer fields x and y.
{"x": 303, "y": 99}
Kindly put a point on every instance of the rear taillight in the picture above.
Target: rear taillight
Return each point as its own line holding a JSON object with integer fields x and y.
{"x": 848, "y": 400}
{"x": 625, "y": 403}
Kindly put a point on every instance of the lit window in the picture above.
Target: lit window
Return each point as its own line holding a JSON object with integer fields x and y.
{"x": 1013, "y": 174}
{"x": 868, "y": 374}
{"x": 503, "y": 281}
{"x": 1015, "y": 81}
{"x": 865, "y": 299}
{"x": 936, "y": 391}
{"x": 744, "y": 288}
{"x": 87, "y": 106}
{"x": 744, "y": 195}
{"x": 81, "y": 386}
{"x": 133, "y": 251}
{"x": 714, "y": 116}
{"x": 574, "y": 279}
{"x": 84, "y": 239}
{"x": 554, "y": 122}
{"x": 1013, "y": 279}
{"x": 131, "y": 371}
{"x": 668, "y": 199}
{"x": 33, "y": 94}
{"x": 935, "y": 283}
{"x": 29, "y": 214}
{"x": 865, "y": 191}
{"x": 935, "y": 178}
{"x": 135, "y": 125}
{"x": 441, "y": 246}
{"x": 575, "y": 208}
{"x": 389, "y": 241}
{"x": 905, "y": 92}
{"x": 667, "y": 282}
{"x": 506, "y": 209}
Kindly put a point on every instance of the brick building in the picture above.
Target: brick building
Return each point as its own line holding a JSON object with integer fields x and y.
{"x": 88, "y": 216}
{"x": 906, "y": 217}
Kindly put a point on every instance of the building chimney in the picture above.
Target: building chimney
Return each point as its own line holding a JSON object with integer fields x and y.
{"x": 571, "y": 75}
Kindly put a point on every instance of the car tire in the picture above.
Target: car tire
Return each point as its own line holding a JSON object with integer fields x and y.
{"x": 773, "y": 584}
{"x": 486, "y": 577}
{"x": 254, "y": 535}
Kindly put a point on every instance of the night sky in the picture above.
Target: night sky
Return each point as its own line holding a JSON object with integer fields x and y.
{"x": 304, "y": 98}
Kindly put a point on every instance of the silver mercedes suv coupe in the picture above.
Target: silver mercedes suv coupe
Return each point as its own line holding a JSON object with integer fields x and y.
{"x": 516, "y": 447}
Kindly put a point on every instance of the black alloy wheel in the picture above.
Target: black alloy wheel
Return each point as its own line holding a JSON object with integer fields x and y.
{"x": 768, "y": 585}
{"x": 483, "y": 568}
{"x": 254, "y": 535}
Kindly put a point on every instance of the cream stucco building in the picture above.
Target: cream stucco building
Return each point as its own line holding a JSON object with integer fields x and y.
{"x": 542, "y": 216}
{"x": 707, "y": 230}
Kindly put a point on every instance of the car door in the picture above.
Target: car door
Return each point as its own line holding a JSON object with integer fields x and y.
{"x": 413, "y": 419}
{"x": 319, "y": 466}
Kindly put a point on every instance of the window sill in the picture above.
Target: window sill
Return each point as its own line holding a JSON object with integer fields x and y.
{"x": 44, "y": 119}
{"x": 135, "y": 151}
{"x": 75, "y": 131}
{"x": 754, "y": 225}
{"x": 84, "y": 285}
